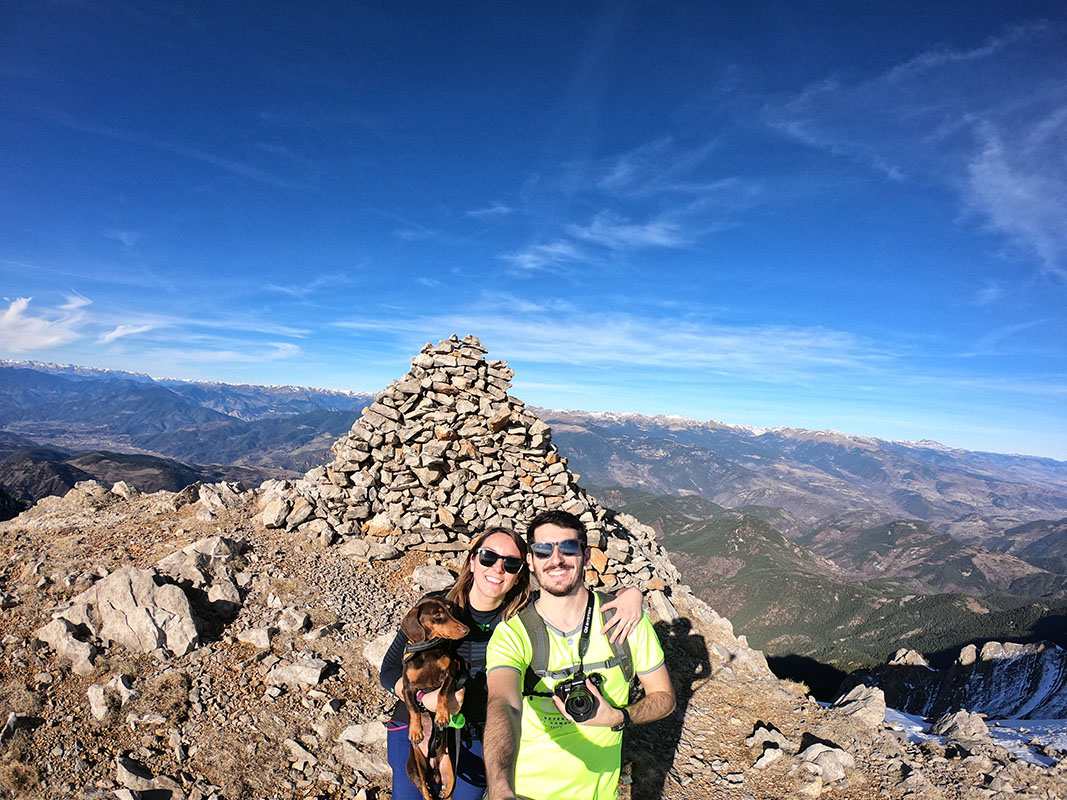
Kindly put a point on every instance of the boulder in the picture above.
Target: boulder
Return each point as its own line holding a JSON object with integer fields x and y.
{"x": 764, "y": 735}
{"x": 363, "y": 733}
{"x": 829, "y": 763}
{"x": 139, "y": 609}
{"x": 433, "y": 578}
{"x": 375, "y": 650}
{"x": 125, "y": 491}
{"x": 63, "y": 637}
{"x": 961, "y": 725}
{"x": 257, "y": 637}
{"x": 293, "y": 619}
{"x": 864, "y": 704}
{"x": 367, "y": 763}
{"x": 275, "y": 512}
{"x": 304, "y": 672}
{"x": 363, "y": 550}
{"x": 198, "y": 562}
{"x": 133, "y": 774}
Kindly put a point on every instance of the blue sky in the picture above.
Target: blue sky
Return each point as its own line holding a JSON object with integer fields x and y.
{"x": 824, "y": 215}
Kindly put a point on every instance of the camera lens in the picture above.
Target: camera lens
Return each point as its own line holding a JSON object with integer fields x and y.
{"x": 581, "y": 705}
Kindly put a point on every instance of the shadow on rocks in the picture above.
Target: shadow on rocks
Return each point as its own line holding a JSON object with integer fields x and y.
{"x": 824, "y": 681}
{"x": 651, "y": 749}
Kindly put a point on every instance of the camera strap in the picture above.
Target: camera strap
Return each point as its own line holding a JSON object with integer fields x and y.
{"x": 583, "y": 640}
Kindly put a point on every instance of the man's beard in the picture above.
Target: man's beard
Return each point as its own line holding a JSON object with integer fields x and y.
{"x": 564, "y": 590}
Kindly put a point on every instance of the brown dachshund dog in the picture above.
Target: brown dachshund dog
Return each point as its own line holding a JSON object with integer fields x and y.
{"x": 429, "y": 664}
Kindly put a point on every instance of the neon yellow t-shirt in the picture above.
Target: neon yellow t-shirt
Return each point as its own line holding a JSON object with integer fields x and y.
{"x": 557, "y": 759}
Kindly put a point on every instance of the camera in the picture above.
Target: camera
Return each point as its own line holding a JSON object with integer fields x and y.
{"x": 578, "y": 701}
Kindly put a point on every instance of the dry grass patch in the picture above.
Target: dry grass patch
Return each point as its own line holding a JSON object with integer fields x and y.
{"x": 288, "y": 589}
{"x": 247, "y": 766}
{"x": 15, "y": 696}
{"x": 18, "y": 775}
{"x": 168, "y": 694}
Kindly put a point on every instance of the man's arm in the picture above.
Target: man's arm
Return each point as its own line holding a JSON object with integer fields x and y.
{"x": 503, "y": 722}
{"x": 658, "y": 701}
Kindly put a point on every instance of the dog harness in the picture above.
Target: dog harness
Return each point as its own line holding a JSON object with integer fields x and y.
{"x": 411, "y": 648}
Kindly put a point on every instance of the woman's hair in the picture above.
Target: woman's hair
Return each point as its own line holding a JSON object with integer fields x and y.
{"x": 519, "y": 594}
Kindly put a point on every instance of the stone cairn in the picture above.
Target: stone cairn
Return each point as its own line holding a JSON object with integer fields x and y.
{"x": 445, "y": 453}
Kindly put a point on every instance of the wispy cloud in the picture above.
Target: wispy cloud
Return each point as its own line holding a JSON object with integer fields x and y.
{"x": 128, "y": 239}
{"x": 989, "y": 293}
{"x": 660, "y": 194}
{"x": 597, "y": 339}
{"x": 991, "y": 341}
{"x": 121, "y": 331}
{"x": 661, "y": 166}
{"x": 545, "y": 257}
{"x": 975, "y": 120}
{"x": 253, "y": 354}
{"x": 1022, "y": 193}
{"x": 615, "y": 232}
{"x": 176, "y": 148}
{"x": 494, "y": 210}
{"x": 24, "y": 332}
{"x": 415, "y": 233}
{"x": 141, "y": 277}
{"x": 332, "y": 281}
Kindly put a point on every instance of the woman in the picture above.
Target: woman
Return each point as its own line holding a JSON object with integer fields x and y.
{"x": 493, "y": 584}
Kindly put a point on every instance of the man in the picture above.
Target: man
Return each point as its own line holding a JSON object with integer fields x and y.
{"x": 533, "y": 747}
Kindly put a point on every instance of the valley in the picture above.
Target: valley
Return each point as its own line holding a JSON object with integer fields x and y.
{"x": 829, "y": 551}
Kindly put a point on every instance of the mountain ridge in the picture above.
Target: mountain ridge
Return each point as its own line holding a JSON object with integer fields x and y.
{"x": 618, "y": 416}
{"x": 280, "y": 601}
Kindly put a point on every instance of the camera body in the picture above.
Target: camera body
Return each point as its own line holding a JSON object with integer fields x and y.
{"x": 578, "y": 701}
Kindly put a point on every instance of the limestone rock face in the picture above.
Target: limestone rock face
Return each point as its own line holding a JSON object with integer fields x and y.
{"x": 138, "y": 609}
{"x": 1002, "y": 680}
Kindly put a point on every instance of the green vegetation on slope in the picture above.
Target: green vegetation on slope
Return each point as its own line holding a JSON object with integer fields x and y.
{"x": 790, "y": 602}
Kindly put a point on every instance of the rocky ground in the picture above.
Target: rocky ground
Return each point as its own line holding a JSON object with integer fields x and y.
{"x": 227, "y": 720}
{"x": 222, "y": 643}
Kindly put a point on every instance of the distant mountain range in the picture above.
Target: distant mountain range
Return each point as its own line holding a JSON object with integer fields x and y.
{"x": 811, "y": 477}
{"x": 76, "y": 408}
{"x": 29, "y": 472}
{"x": 829, "y": 549}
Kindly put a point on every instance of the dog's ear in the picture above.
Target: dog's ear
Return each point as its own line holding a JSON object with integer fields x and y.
{"x": 412, "y": 626}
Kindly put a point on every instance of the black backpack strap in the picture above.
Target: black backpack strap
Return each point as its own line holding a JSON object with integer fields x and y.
{"x": 538, "y": 633}
{"x": 535, "y": 629}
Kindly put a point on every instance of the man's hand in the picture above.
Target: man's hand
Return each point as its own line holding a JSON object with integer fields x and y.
{"x": 606, "y": 715}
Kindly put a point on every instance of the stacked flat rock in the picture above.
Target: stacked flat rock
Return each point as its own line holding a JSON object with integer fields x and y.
{"x": 445, "y": 453}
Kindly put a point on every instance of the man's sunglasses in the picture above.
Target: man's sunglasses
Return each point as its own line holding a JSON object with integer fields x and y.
{"x": 568, "y": 547}
{"x": 486, "y": 557}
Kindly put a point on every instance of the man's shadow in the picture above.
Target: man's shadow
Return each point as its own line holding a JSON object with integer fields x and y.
{"x": 650, "y": 749}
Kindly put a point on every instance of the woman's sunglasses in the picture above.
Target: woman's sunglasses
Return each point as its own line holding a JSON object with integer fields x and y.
{"x": 568, "y": 547}
{"x": 486, "y": 557}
